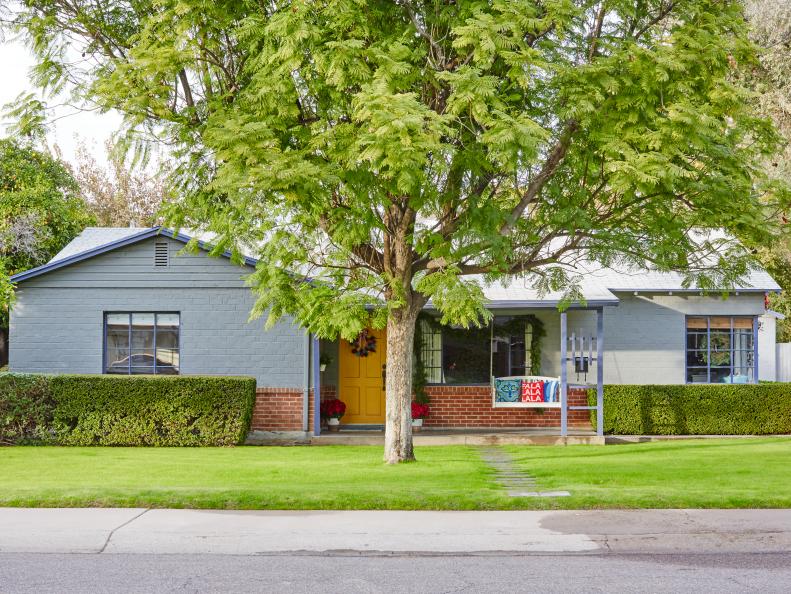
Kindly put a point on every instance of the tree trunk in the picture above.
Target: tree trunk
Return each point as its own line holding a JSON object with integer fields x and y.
{"x": 398, "y": 385}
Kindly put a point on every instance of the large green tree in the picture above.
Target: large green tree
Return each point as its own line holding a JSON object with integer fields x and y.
{"x": 40, "y": 211}
{"x": 770, "y": 28}
{"x": 383, "y": 153}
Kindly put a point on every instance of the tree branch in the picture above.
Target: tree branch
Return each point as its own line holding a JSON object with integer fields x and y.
{"x": 440, "y": 54}
{"x": 597, "y": 30}
{"x": 663, "y": 12}
{"x": 187, "y": 90}
{"x": 554, "y": 159}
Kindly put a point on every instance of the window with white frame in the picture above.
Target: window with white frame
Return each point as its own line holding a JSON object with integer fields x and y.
{"x": 720, "y": 349}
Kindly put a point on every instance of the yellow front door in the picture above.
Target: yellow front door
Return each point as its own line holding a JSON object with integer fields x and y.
{"x": 361, "y": 384}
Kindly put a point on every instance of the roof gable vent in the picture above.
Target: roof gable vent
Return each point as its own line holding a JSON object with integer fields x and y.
{"x": 161, "y": 254}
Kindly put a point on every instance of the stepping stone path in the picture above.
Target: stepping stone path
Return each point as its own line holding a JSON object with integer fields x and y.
{"x": 508, "y": 475}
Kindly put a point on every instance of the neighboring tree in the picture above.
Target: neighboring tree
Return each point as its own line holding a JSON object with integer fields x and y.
{"x": 40, "y": 212}
{"x": 383, "y": 153}
{"x": 117, "y": 194}
{"x": 770, "y": 23}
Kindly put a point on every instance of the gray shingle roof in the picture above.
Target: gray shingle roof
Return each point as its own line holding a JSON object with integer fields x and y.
{"x": 651, "y": 280}
{"x": 600, "y": 285}
{"x": 93, "y": 237}
{"x": 597, "y": 284}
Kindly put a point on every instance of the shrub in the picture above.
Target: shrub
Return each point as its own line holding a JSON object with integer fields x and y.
{"x": 127, "y": 410}
{"x": 26, "y": 407}
{"x": 710, "y": 409}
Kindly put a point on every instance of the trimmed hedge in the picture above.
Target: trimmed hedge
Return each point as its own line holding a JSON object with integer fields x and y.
{"x": 26, "y": 409}
{"x": 706, "y": 409}
{"x": 112, "y": 410}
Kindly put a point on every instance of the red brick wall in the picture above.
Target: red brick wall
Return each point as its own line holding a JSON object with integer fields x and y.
{"x": 280, "y": 409}
{"x": 277, "y": 409}
{"x": 471, "y": 406}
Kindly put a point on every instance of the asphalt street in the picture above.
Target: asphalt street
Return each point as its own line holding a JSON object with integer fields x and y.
{"x": 140, "y": 551}
{"x": 311, "y": 573}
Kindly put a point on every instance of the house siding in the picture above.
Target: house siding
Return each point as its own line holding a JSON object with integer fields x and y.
{"x": 644, "y": 336}
{"x": 57, "y": 321}
{"x": 767, "y": 348}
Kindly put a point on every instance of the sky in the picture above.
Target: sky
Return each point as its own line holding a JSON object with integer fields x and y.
{"x": 70, "y": 124}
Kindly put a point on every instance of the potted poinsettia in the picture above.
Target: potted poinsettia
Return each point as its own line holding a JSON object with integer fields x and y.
{"x": 333, "y": 410}
{"x": 419, "y": 412}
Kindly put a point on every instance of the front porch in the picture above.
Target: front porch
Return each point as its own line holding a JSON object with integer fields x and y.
{"x": 525, "y": 377}
{"x": 464, "y": 369}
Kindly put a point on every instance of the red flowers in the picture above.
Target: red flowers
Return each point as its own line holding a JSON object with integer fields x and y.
{"x": 420, "y": 411}
{"x": 333, "y": 409}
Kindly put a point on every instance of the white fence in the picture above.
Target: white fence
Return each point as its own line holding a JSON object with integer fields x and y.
{"x": 784, "y": 361}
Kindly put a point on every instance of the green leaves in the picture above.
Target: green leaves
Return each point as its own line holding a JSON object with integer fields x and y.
{"x": 90, "y": 410}
{"x": 377, "y": 154}
{"x": 28, "y": 115}
{"x": 397, "y": 134}
{"x": 459, "y": 301}
{"x": 719, "y": 409}
{"x": 40, "y": 212}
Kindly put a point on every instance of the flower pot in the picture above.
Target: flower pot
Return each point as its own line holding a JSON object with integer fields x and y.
{"x": 417, "y": 425}
{"x": 334, "y": 424}
{"x": 322, "y": 367}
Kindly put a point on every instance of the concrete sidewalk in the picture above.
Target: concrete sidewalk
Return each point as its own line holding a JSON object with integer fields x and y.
{"x": 157, "y": 531}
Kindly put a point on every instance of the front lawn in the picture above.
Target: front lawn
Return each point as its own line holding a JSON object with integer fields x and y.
{"x": 701, "y": 473}
{"x": 714, "y": 473}
{"x": 331, "y": 477}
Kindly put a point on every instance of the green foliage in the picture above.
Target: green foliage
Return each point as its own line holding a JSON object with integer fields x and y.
{"x": 40, "y": 211}
{"x": 419, "y": 381}
{"x": 539, "y": 332}
{"x": 711, "y": 409}
{"x": 770, "y": 28}
{"x": 125, "y": 410}
{"x": 28, "y": 116}
{"x": 387, "y": 150}
{"x": 26, "y": 409}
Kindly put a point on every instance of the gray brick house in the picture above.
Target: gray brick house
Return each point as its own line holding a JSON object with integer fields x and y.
{"x": 124, "y": 300}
